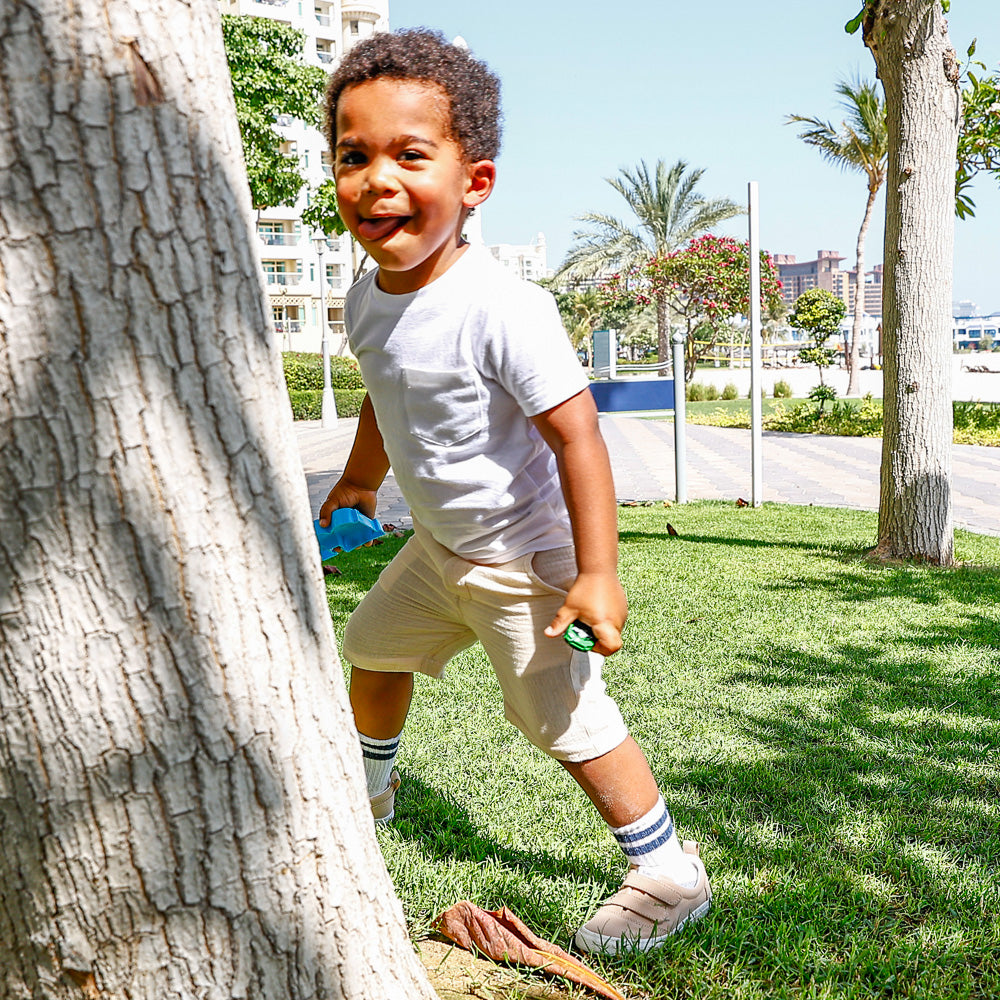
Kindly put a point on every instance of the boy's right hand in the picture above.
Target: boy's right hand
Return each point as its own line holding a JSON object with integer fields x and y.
{"x": 347, "y": 494}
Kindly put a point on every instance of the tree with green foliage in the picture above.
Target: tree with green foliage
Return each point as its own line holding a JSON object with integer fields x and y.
{"x": 323, "y": 213}
{"x": 706, "y": 284}
{"x": 921, "y": 77}
{"x": 818, "y": 313}
{"x": 270, "y": 79}
{"x": 668, "y": 211}
{"x": 979, "y": 138}
{"x": 860, "y": 143}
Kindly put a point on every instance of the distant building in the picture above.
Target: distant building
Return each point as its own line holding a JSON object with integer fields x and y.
{"x": 825, "y": 272}
{"x": 976, "y": 332}
{"x": 964, "y": 307}
{"x": 526, "y": 260}
{"x": 288, "y": 258}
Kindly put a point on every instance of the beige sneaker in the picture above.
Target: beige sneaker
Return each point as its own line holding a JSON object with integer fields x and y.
{"x": 383, "y": 804}
{"x": 645, "y": 911}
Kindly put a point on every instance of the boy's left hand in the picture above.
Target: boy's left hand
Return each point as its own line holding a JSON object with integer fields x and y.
{"x": 598, "y": 600}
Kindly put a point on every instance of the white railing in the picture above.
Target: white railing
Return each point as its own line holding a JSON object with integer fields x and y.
{"x": 279, "y": 239}
{"x": 324, "y": 57}
{"x": 283, "y": 277}
{"x": 323, "y": 19}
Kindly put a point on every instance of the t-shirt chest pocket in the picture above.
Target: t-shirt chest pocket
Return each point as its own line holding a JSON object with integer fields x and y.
{"x": 443, "y": 407}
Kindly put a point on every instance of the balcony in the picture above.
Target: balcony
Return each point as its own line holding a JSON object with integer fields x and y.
{"x": 283, "y": 278}
{"x": 279, "y": 239}
{"x": 325, "y": 57}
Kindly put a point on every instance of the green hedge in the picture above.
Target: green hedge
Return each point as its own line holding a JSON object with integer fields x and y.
{"x": 305, "y": 371}
{"x": 304, "y": 380}
{"x": 307, "y": 404}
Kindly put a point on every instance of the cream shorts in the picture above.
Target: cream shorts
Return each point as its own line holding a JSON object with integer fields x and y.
{"x": 429, "y": 604}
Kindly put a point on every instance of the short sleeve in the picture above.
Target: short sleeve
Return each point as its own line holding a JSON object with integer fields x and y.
{"x": 528, "y": 352}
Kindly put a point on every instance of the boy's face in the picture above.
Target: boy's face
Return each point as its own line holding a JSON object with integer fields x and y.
{"x": 403, "y": 186}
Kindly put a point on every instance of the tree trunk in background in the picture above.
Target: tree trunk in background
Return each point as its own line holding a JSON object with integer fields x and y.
{"x": 854, "y": 348}
{"x": 182, "y": 809}
{"x": 918, "y": 69}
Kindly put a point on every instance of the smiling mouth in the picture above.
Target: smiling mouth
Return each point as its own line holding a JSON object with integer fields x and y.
{"x": 381, "y": 227}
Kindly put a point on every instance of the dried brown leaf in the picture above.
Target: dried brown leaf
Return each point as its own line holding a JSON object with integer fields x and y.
{"x": 501, "y": 936}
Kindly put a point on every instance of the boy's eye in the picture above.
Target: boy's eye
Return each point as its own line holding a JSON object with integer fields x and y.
{"x": 351, "y": 158}
{"x": 411, "y": 154}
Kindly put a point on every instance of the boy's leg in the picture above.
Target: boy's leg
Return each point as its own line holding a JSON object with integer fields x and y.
{"x": 557, "y": 697}
{"x": 407, "y": 622}
{"x": 380, "y": 702}
{"x": 619, "y": 783}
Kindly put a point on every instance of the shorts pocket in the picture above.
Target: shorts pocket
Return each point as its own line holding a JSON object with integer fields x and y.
{"x": 555, "y": 569}
{"x": 443, "y": 407}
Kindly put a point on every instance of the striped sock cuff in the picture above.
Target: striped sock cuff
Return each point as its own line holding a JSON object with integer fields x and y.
{"x": 647, "y": 835}
{"x": 372, "y": 749}
{"x": 378, "y": 756}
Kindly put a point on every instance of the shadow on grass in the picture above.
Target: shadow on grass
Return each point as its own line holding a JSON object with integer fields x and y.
{"x": 886, "y": 770}
{"x": 447, "y": 834}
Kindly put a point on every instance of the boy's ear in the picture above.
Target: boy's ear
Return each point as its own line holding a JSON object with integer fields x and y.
{"x": 482, "y": 177}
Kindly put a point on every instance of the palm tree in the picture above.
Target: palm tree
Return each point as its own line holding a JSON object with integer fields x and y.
{"x": 861, "y": 144}
{"x": 668, "y": 212}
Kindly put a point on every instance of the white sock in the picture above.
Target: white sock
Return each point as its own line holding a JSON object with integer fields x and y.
{"x": 379, "y": 757}
{"x": 651, "y": 843}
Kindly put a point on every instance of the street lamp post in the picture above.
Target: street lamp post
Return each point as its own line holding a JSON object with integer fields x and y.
{"x": 328, "y": 413}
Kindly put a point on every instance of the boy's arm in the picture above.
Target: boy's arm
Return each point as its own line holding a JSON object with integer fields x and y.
{"x": 596, "y": 597}
{"x": 366, "y": 467}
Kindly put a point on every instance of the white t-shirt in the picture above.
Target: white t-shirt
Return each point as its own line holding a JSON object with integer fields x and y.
{"x": 454, "y": 371}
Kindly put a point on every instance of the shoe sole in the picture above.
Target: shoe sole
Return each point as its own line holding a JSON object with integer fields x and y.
{"x": 592, "y": 943}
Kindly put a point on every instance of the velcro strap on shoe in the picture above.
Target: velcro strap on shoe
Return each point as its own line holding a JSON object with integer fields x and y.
{"x": 651, "y": 910}
{"x": 667, "y": 893}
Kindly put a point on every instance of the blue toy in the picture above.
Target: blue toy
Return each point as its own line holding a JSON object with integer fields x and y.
{"x": 348, "y": 530}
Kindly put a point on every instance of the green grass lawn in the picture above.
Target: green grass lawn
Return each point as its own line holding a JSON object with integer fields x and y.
{"x": 828, "y": 729}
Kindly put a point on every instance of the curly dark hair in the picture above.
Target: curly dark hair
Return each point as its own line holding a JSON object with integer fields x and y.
{"x": 426, "y": 56}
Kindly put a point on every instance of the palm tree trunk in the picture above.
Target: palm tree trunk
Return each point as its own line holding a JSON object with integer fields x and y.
{"x": 854, "y": 348}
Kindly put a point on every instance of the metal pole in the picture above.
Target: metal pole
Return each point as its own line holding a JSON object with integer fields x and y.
{"x": 756, "y": 352}
{"x": 328, "y": 410}
{"x": 680, "y": 417}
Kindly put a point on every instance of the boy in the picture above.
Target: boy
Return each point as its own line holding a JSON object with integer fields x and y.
{"x": 479, "y": 404}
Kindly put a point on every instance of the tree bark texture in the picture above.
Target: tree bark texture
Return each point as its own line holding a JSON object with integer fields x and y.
{"x": 919, "y": 72}
{"x": 182, "y": 808}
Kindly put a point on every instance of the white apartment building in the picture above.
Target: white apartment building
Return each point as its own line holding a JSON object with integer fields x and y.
{"x": 526, "y": 260}
{"x": 288, "y": 257}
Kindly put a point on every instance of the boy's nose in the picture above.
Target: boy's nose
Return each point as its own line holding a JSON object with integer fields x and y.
{"x": 380, "y": 176}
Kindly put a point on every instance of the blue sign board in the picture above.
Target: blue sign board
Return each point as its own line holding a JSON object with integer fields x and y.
{"x": 633, "y": 394}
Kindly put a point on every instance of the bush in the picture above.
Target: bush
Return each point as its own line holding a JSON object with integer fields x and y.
{"x": 976, "y": 422}
{"x": 304, "y": 371}
{"x": 695, "y": 392}
{"x": 782, "y": 390}
{"x": 307, "y": 404}
{"x": 711, "y": 392}
{"x": 822, "y": 394}
{"x": 730, "y": 391}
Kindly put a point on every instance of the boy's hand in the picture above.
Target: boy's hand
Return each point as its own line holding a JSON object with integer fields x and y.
{"x": 598, "y": 600}
{"x": 347, "y": 494}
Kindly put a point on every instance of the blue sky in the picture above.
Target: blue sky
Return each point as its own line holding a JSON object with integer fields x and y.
{"x": 592, "y": 87}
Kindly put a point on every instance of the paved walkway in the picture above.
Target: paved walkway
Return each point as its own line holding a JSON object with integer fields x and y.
{"x": 798, "y": 468}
